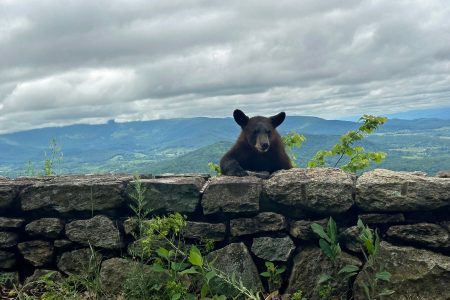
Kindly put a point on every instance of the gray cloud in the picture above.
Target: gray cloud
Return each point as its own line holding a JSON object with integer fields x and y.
{"x": 65, "y": 62}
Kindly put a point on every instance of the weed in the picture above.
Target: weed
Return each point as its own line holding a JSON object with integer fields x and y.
{"x": 273, "y": 275}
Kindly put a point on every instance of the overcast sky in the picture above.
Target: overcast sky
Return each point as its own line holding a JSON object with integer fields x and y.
{"x": 66, "y": 62}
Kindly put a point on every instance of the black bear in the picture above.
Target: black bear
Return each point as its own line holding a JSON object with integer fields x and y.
{"x": 258, "y": 148}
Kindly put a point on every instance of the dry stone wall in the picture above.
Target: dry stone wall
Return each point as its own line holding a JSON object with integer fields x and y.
{"x": 49, "y": 223}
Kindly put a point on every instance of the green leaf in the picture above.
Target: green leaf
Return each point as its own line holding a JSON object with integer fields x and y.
{"x": 326, "y": 248}
{"x": 281, "y": 269}
{"x": 386, "y": 292}
{"x": 195, "y": 257}
{"x": 324, "y": 278}
{"x": 176, "y": 296}
{"x": 265, "y": 274}
{"x": 210, "y": 275}
{"x": 162, "y": 252}
{"x": 349, "y": 269}
{"x": 191, "y": 270}
{"x": 384, "y": 275}
{"x": 318, "y": 229}
{"x": 204, "y": 291}
{"x": 158, "y": 268}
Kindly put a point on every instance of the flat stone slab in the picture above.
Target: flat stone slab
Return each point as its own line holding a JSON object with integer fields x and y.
{"x": 416, "y": 274}
{"x": 424, "y": 234}
{"x": 382, "y": 218}
{"x": 45, "y": 227}
{"x": 98, "y": 231}
{"x": 201, "y": 230}
{"x": 8, "y": 223}
{"x": 8, "y": 239}
{"x": 388, "y": 191}
{"x": 75, "y": 193}
{"x": 263, "y": 222}
{"x": 38, "y": 253}
{"x": 321, "y": 190}
{"x": 273, "y": 249}
{"x": 232, "y": 194}
{"x": 171, "y": 194}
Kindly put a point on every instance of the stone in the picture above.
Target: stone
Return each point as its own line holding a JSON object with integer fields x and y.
{"x": 273, "y": 249}
{"x": 201, "y": 230}
{"x": 8, "y": 193}
{"x": 349, "y": 238}
{"x": 45, "y": 227}
{"x": 388, "y": 191}
{"x": 416, "y": 274}
{"x": 171, "y": 194}
{"x": 33, "y": 284}
{"x": 234, "y": 259}
{"x": 382, "y": 218}
{"x": 263, "y": 222}
{"x": 98, "y": 231}
{"x": 62, "y": 244}
{"x": 115, "y": 271}
{"x": 443, "y": 174}
{"x": 309, "y": 264}
{"x": 38, "y": 253}
{"x": 85, "y": 193}
{"x": 7, "y": 260}
{"x": 319, "y": 190}
{"x": 8, "y": 239}
{"x": 301, "y": 229}
{"x": 10, "y": 223}
{"x": 423, "y": 234}
{"x": 230, "y": 194}
{"x": 79, "y": 261}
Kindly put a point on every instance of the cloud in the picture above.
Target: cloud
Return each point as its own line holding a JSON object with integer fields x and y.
{"x": 90, "y": 61}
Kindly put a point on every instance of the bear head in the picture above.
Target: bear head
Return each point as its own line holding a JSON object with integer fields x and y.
{"x": 259, "y": 132}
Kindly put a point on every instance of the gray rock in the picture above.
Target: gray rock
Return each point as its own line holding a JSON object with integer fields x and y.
{"x": 62, "y": 244}
{"x": 385, "y": 191}
{"x": 39, "y": 273}
{"x": 350, "y": 239}
{"x": 180, "y": 194}
{"x": 443, "y": 174}
{"x": 382, "y": 218}
{"x": 425, "y": 234}
{"x": 7, "y": 260}
{"x": 75, "y": 193}
{"x": 9, "y": 223}
{"x": 321, "y": 190}
{"x": 234, "y": 259}
{"x": 46, "y": 227}
{"x": 309, "y": 264}
{"x": 115, "y": 271}
{"x": 416, "y": 274}
{"x": 263, "y": 222}
{"x": 301, "y": 229}
{"x": 79, "y": 261}
{"x": 8, "y": 193}
{"x": 38, "y": 253}
{"x": 98, "y": 231}
{"x": 200, "y": 230}
{"x": 232, "y": 195}
{"x": 8, "y": 239}
{"x": 273, "y": 249}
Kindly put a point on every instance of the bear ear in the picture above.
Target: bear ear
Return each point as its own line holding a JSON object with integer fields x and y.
{"x": 240, "y": 117}
{"x": 278, "y": 119}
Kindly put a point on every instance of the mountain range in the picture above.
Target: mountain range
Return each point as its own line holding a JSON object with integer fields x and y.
{"x": 187, "y": 145}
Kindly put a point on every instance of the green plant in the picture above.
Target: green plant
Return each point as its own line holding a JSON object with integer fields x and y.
{"x": 373, "y": 271}
{"x": 297, "y": 295}
{"x": 214, "y": 168}
{"x": 290, "y": 140}
{"x": 329, "y": 245}
{"x": 53, "y": 160}
{"x": 273, "y": 275}
{"x": 358, "y": 158}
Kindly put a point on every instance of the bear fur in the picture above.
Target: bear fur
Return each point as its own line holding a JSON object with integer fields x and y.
{"x": 258, "y": 148}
